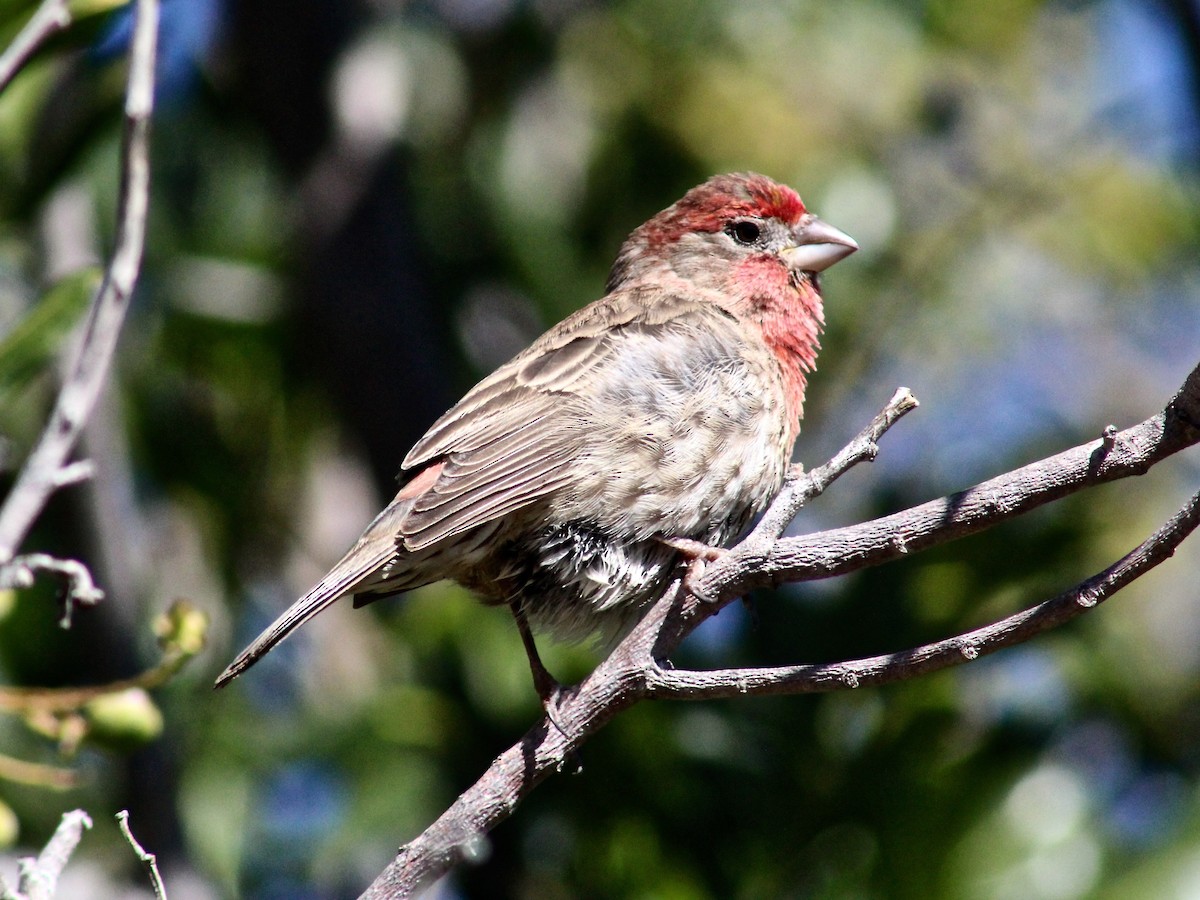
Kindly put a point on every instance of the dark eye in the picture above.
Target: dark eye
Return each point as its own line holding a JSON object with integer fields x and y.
{"x": 744, "y": 231}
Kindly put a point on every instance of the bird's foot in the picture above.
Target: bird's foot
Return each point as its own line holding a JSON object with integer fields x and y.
{"x": 552, "y": 693}
{"x": 697, "y": 553}
{"x": 548, "y": 688}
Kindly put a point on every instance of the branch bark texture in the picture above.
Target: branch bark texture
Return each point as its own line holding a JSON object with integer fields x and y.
{"x": 638, "y": 669}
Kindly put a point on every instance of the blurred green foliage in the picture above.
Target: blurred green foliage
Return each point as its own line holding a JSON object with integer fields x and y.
{"x": 361, "y": 208}
{"x": 30, "y": 347}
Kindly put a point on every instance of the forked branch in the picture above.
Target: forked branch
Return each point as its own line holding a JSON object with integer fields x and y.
{"x": 671, "y": 684}
{"x": 635, "y": 670}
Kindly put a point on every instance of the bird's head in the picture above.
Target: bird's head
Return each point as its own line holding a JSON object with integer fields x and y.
{"x": 731, "y": 233}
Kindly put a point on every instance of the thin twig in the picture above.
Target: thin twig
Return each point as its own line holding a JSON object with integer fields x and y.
{"x": 86, "y": 375}
{"x": 74, "y": 473}
{"x": 78, "y": 587}
{"x": 51, "y": 17}
{"x": 37, "y": 774}
{"x": 57, "y": 852}
{"x": 148, "y": 859}
{"x": 839, "y": 551}
{"x": 177, "y": 650}
{"x": 801, "y": 487}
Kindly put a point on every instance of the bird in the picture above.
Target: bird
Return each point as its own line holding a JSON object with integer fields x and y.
{"x": 639, "y": 435}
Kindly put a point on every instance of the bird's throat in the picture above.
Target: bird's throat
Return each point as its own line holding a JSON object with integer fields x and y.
{"x": 787, "y": 307}
{"x": 791, "y": 329}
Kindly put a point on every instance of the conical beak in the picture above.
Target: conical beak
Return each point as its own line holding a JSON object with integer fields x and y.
{"x": 818, "y": 246}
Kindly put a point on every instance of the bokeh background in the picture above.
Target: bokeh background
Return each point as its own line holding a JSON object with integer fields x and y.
{"x": 362, "y": 206}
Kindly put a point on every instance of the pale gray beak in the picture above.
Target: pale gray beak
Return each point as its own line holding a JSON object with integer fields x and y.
{"x": 818, "y": 245}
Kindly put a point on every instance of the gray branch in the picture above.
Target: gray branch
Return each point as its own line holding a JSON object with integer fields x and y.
{"x": 671, "y": 684}
{"x": 37, "y": 877}
{"x": 1114, "y": 455}
{"x": 634, "y": 671}
{"x": 78, "y": 587}
{"x": 801, "y": 487}
{"x": 149, "y": 860}
{"x": 47, "y": 467}
{"x": 50, "y": 18}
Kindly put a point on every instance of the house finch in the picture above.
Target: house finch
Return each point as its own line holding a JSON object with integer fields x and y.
{"x": 639, "y": 432}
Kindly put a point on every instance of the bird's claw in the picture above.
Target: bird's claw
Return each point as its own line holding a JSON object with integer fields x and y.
{"x": 552, "y": 693}
{"x": 697, "y": 553}
{"x": 694, "y": 550}
{"x": 549, "y": 691}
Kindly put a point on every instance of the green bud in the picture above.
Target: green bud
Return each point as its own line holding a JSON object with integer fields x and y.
{"x": 123, "y": 720}
{"x": 182, "y": 627}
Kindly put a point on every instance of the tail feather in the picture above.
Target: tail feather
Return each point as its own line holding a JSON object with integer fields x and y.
{"x": 373, "y": 550}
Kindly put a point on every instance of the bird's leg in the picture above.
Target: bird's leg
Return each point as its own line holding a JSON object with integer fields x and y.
{"x": 544, "y": 683}
{"x": 697, "y": 553}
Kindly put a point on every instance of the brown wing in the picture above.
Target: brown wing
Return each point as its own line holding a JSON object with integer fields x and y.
{"x": 507, "y": 443}
{"x": 510, "y": 441}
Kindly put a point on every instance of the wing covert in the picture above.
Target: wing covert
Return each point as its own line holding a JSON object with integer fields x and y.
{"x": 511, "y": 440}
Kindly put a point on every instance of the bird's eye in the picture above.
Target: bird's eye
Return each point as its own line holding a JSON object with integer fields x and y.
{"x": 744, "y": 231}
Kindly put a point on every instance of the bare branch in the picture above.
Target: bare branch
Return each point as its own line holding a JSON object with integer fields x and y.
{"x": 79, "y": 588}
{"x": 51, "y": 17}
{"x": 182, "y": 634}
{"x": 632, "y": 672}
{"x": 802, "y": 487}
{"x": 148, "y": 859}
{"x": 39, "y": 775}
{"x": 669, "y": 684}
{"x": 460, "y": 833}
{"x": 86, "y": 375}
{"x": 38, "y": 877}
{"x": 840, "y": 551}
{"x": 74, "y": 473}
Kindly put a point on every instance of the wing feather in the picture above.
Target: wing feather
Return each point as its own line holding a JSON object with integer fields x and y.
{"x": 464, "y": 475}
{"x": 510, "y": 441}
{"x": 553, "y": 364}
{"x": 506, "y": 490}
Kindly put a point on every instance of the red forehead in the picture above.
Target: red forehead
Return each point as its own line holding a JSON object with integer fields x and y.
{"x": 772, "y": 199}
{"x": 711, "y": 205}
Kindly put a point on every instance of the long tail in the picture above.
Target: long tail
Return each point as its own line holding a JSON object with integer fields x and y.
{"x": 375, "y": 548}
